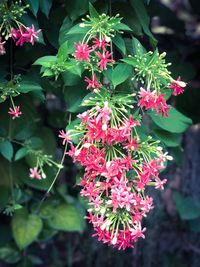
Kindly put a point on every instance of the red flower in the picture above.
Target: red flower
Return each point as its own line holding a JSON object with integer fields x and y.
{"x": 93, "y": 83}
{"x": 152, "y": 100}
{"x": 100, "y": 43}
{"x": 82, "y": 52}
{"x": 104, "y": 59}
{"x": 32, "y": 34}
{"x": 25, "y": 35}
{"x": 177, "y": 86}
{"x": 15, "y": 112}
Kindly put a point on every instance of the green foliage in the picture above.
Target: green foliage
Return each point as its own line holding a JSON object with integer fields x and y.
{"x": 25, "y": 228}
{"x": 187, "y": 207}
{"x": 120, "y": 74}
{"x": 6, "y": 149}
{"x": 66, "y": 217}
{"x": 175, "y": 123}
{"x": 9, "y": 254}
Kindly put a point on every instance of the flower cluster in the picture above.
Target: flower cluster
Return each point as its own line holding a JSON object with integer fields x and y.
{"x": 95, "y": 57}
{"x": 11, "y": 27}
{"x": 20, "y": 36}
{"x": 151, "y": 70}
{"x": 118, "y": 163}
{"x": 24, "y": 35}
{"x": 118, "y": 167}
{"x": 152, "y": 100}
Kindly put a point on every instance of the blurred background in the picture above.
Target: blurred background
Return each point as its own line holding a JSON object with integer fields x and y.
{"x": 173, "y": 226}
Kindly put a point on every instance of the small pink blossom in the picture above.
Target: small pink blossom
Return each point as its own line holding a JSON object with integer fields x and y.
{"x": 24, "y": 35}
{"x": 152, "y": 100}
{"x": 159, "y": 184}
{"x": 100, "y": 43}
{"x": 82, "y": 52}
{"x": 177, "y": 86}
{"x": 15, "y": 112}
{"x": 104, "y": 59}
{"x": 2, "y": 48}
{"x": 65, "y": 136}
{"x": 94, "y": 84}
{"x": 34, "y": 173}
{"x": 32, "y": 34}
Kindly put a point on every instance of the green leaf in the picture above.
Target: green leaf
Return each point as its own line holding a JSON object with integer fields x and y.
{"x": 26, "y": 87}
{"x": 121, "y": 73}
{"x": 45, "y": 6}
{"x": 75, "y": 34}
{"x": 22, "y": 152}
{"x": 138, "y": 49}
{"x": 71, "y": 126}
{"x": 92, "y": 11}
{"x": 45, "y": 61}
{"x": 74, "y": 67}
{"x": 67, "y": 23}
{"x": 175, "y": 123}
{"x": 6, "y": 149}
{"x": 47, "y": 73}
{"x": 169, "y": 139}
{"x": 131, "y": 61}
{"x": 43, "y": 184}
{"x": 63, "y": 51}
{"x": 76, "y": 8}
{"x": 25, "y": 228}
{"x": 143, "y": 18}
{"x": 73, "y": 96}
{"x": 70, "y": 79}
{"x": 187, "y": 207}
{"x": 34, "y": 4}
{"x": 47, "y": 209}
{"x": 123, "y": 27}
{"x": 120, "y": 44}
{"x": 66, "y": 217}
{"x": 9, "y": 254}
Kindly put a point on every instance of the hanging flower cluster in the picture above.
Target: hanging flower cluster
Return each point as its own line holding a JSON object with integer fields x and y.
{"x": 118, "y": 163}
{"x": 11, "y": 27}
{"x": 118, "y": 167}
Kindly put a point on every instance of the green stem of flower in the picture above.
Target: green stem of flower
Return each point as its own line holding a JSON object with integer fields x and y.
{"x": 54, "y": 180}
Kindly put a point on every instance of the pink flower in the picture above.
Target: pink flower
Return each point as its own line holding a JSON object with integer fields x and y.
{"x": 15, "y": 112}
{"x": 122, "y": 197}
{"x": 104, "y": 59}
{"x": 159, "y": 184}
{"x": 2, "y": 48}
{"x": 137, "y": 232}
{"x": 177, "y": 86}
{"x": 24, "y": 35}
{"x": 14, "y": 33}
{"x": 100, "y": 43}
{"x": 34, "y": 173}
{"x": 152, "y": 100}
{"x": 65, "y": 136}
{"x": 32, "y": 34}
{"x": 82, "y": 52}
{"x": 93, "y": 83}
